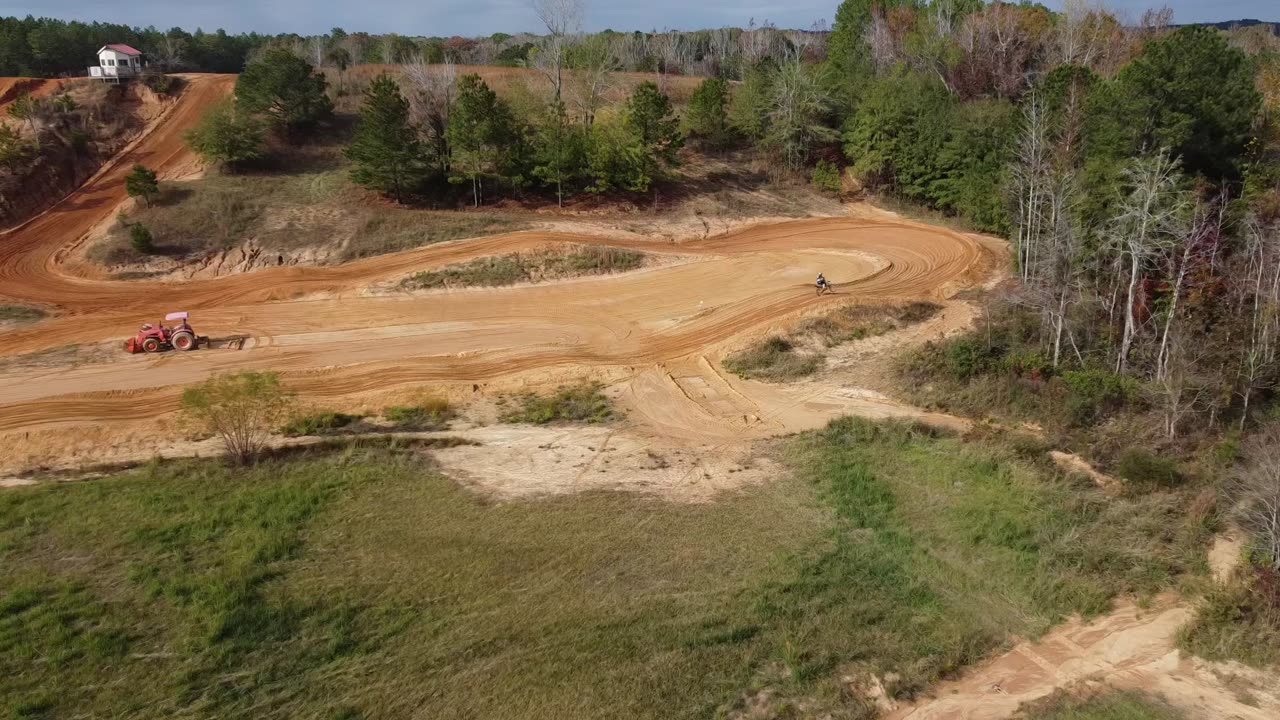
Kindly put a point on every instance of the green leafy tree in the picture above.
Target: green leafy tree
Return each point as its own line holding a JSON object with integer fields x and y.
{"x": 847, "y": 49}
{"x": 242, "y": 409}
{"x": 973, "y": 162}
{"x": 708, "y": 116}
{"x": 15, "y": 150}
{"x": 826, "y": 177}
{"x": 142, "y": 183}
{"x": 480, "y": 129}
{"x": 618, "y": 159}
{"x": 25, "y": 107}
{"x": 560, "y": 151}
{"x": 897, "y": 133}
{"x": 226, "y": 136}
{"x": 650, "y": 117}
{"x": 340, "y": 58}
{"x": 749, "y": 111}
{"x": 389, "y": 156}
{"x": 1191, "y": 92}
{"x": 284, "y": 88}
{"x": 141, "y": 239}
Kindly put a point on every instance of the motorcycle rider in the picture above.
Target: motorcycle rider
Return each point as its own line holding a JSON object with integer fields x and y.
{"x": 822, "y": 282}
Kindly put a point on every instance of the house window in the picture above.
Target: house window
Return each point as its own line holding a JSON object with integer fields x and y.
{"x": 111, "y": 62}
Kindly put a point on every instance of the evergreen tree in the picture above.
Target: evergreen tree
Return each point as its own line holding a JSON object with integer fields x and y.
{"x": 650, "y": 117}
{"x": 561, "y": 152}
{"x": 142, "y": 183}
{"x": 227, "y": 136}
{"x": 618, "y": 160}
{"x": 283, "y": 88}
{"x": 479, "y": 126}
{"x": 387, "y": 152}
{"x": 749, "y": 111}
{"x": 708, "y": 116}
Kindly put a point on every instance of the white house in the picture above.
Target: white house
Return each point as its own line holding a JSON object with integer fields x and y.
{"x": 117, "y": 61}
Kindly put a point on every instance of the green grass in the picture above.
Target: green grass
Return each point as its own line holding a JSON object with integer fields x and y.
{"x": 802, "y": 352}
{"x": 776, "y": 359}
{"x": 20, "y": 314}
{"x": 359, "y": 583}
{"x": 1112, "y": 705}
{"x": 430, "y": 415}
{"x": 527, "y": 267}
{"x": 1239, "y": 622}
{"x": 581, "y": 403}
{"x": 393, "y": 230}
{"x": 321, "y": 423}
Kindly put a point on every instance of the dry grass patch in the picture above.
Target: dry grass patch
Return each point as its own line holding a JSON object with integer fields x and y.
{"x": 802, "y": 352}
{"x": 535, "y": 266}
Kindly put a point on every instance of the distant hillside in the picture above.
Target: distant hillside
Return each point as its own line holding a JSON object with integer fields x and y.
{"x": 1228, "y": 24}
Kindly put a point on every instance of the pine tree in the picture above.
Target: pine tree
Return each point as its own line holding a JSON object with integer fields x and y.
{"x": 227, "y": 136}
{"x": 142, "y": 183}
{"x": 561, "y": 153}
{"x": 479, "y": 126}
{"x": 283, "y": 87}
{"x": 708, "y": 117}
{"x": 387, "y": 151}
{"x": 650, "y": 116}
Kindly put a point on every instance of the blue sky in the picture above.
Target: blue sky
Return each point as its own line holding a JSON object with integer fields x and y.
{"x": 482, "y": 17}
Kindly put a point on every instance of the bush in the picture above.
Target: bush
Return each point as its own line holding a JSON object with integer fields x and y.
{"x": 826, "y": 177}
{"x": 318, "y": 424}
{"x": 1239, "y": 622}
{"x": 227, "y": 136}
{"x": 970, "y": 356}
{"x": 241, "y": 408}
{"x": 429, "y": 416}
{"x": 1095, "y": 394}
{"x": 1143, "y": 468}
{"x": 142, "y": 182}
{"x": 578, "y": 403}
{"x": 141, "y": 240}
{"x": 773, "y": 359}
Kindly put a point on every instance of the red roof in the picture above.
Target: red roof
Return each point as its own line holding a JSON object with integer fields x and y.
{"x": 122, "y": 48}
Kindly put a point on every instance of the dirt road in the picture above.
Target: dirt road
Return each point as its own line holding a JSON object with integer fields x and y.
{"x": 658, "y": 331}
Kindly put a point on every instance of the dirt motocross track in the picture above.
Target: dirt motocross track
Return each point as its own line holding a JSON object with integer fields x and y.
{"x": 657, "y": 333}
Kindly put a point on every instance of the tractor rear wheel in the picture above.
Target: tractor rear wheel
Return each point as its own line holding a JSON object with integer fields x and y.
{"x": 183, "y": 341}
{"x": 150, "y": 345}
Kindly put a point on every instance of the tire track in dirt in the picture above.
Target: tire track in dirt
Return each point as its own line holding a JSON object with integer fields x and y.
{"x": 331, "y": 338}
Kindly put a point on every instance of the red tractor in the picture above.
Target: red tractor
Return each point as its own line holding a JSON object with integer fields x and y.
{"x": 154, "y": 338}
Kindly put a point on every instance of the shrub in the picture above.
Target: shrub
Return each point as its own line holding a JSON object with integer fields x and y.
{"x": 241, "y": 408}
{"x": 1094, "y": 394}
{"x": 227, "y": 136}
{"x": 1143, "y": 468}
{"x": 826, "y": 177}
{"x": 142, "y": 182}
{"x": 772, "y": 359}
{"x": 577, "y": 403}
{"x": 430, "y": 415}
{"x": 1240, "y": 621}
{"x": 141, "y": 240}
{"x": 318, "y": 424}
{"x": 970, "y": 356}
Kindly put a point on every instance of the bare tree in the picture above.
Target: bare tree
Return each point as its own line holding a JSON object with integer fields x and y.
{"x": 1198, "y": 245}
{"x": 243, "y": 409}
{"x": 1261, "y": 289}
{"x": 1258, "y": 495}
{"x": 1147, "y": 223}
{"x": 595, "y": 64}
{"x": 432, "y": 88}
{"x": 563, "y": 20}
{"x": 799, "y": 102}
{"x": 169, "y": 52}
{"x": 1030, "y": 173}
{"x": 1180, "y": 390}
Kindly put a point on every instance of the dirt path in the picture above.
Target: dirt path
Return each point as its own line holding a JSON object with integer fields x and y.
{"x": 656, "y": 334}
{"x": 1131, "y": 648}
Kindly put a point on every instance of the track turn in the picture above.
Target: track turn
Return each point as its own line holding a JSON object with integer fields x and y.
{"x": 331, "y": 338}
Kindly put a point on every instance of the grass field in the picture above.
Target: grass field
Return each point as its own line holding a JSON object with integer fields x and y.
{"x": 360, "y": 583}
{"x": 20, "y": 314}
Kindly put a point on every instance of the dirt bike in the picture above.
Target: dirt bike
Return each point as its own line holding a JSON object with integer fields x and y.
{"x": 824, "y": 287}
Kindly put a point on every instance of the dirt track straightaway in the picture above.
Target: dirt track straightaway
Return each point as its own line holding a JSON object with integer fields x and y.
{"x": 660, "y": 330}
